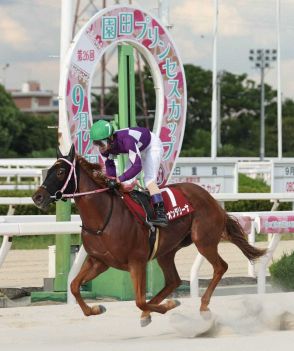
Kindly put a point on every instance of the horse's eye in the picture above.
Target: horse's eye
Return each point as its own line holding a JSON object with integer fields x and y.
{"x": 60, "y": 172}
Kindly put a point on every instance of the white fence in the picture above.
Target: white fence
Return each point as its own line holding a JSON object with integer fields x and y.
{"x": 26, "y": 162}
{"x": 216, "y": 176}
{"x": 42, "y": 225}
{"x": 273, "y": 223}
{"x": 26, "y": 173}
{"x": 45, "y": 224}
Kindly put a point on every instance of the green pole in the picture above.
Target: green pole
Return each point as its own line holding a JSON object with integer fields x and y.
{"x": 114, "y": 282}
{"x": 126, "y": 93}
{"x": 126, "y": 87}
{"x": 62, "y": 242}
{"x": 127, "y": 118}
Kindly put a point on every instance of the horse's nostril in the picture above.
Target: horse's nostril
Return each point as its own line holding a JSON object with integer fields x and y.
{"x": 38, "y": 198}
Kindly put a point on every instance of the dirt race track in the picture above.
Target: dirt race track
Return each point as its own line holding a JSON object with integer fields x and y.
{"x": 248, "y": 322}
{"x": 251, "y": 322}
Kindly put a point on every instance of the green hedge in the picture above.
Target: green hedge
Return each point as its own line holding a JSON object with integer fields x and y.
{"x": 282, "y": 272}
{"x": 249, "y": 185}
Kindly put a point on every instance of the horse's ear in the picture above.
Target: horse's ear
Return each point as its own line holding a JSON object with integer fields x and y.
{"x": 58, "y": 153}
{"x": 71, "y": 154}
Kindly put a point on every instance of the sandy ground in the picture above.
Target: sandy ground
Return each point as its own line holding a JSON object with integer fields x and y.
{"x": 27, "y": 268}
{"x": 264, "y": 323}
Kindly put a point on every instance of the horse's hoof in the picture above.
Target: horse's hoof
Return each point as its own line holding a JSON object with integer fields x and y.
{"x": 98, "y": 309}
{"x": 206, "y": 314}
{"x": 173, "y": 304}
{"x": 177, "y": 303}
{"x": 145, "y": 321}
{"x": 102, "y": 309}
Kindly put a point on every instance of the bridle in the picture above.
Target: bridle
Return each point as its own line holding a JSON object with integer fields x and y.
{"x": 59, "y": 194}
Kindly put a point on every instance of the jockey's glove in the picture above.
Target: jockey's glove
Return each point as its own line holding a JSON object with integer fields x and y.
{"x": 112, "y": 184}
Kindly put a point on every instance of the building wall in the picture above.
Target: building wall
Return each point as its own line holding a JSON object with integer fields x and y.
{"x": 44, "y": 101}
{"x": 23, "y": 102}
{"x": 34, "y": 100}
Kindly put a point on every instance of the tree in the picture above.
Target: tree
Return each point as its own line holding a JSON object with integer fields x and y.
{"x": 288, "y": 128}
{"x": 35, "y": 137}
{"x": 199, "y": 98}
{"x": 240, "y": 113}
{"x": 111, "y": 97}
{"x": 10, "y": 125}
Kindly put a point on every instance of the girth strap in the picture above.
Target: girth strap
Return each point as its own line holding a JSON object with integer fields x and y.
{"x": 153, "y": 242}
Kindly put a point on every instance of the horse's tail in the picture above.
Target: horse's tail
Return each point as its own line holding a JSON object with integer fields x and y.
{"x": 235, "y": 233}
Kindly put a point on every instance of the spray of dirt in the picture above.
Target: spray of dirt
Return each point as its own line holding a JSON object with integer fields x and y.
{"x": 249, "y": 316}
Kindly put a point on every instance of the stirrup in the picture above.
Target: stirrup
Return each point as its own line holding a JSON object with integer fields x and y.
{"x": 159, "y": 222}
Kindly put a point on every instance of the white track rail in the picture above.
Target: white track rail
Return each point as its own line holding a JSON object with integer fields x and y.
{"x": 45, "y": 224}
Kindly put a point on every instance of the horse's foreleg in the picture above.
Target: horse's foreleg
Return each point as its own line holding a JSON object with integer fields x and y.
{"x": 172, "y": 281}
{"x": 90, "y": 269}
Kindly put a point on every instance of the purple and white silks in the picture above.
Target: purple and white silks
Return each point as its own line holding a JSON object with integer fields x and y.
{"x": 144, "y": 150}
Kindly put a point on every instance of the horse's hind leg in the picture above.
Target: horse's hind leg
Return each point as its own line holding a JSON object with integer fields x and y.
{"x": 172, "y": 281}
{"x": 219, "y": 268}
{"x": 138, "y": 274}
{"x": 90, "y": 269}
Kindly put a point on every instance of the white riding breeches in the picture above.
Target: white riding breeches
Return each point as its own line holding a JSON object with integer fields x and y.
{"x": 151, "y": 158}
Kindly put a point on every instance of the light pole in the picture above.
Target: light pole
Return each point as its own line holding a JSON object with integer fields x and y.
{"x": 4, "y": 68}
{"x": 262, "y": 59}
{"x": 218, "y": 94}
{"x": 214, "y": 84}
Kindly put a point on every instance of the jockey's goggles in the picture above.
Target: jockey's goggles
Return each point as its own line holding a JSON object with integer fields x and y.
{"x": 101, "y": 143}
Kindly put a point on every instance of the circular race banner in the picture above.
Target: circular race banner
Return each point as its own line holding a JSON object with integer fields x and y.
{"x": 131, "y": 25}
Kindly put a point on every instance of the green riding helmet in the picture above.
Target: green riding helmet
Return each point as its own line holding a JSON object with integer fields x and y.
{"x": 101, "y": 130}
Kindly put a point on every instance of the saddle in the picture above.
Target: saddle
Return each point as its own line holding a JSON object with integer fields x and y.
{"x": 139, "y": 203}
{"x": 143, "y": 199}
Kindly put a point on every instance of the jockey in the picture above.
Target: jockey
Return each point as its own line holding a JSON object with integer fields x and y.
{"x": 144, "y": 150}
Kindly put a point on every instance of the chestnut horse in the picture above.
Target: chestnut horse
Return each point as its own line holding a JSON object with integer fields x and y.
{"x": 123, "y": 242}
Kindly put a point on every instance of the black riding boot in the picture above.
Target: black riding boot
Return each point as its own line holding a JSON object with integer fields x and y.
{"x": 160, "y": 219}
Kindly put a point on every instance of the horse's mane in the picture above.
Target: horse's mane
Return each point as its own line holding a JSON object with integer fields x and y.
{"x": 93, "y": 170}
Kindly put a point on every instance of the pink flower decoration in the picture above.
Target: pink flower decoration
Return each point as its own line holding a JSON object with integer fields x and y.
{"x": 165, "y": 106}
{"x": 165, "y": 134}
{"x": 86, "y": 105}
{"x": 146, "y": 42}
{"x": 138, "y": 17}
{"x": 179, "y": 77}
{"x": 162, "y": 70}
{"x": 160, "y": 29}
{"x": 68, "y": 87}
{"x": 74, "y": 109}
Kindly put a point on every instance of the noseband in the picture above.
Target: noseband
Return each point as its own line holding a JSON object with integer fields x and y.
{"x": 59, "y": 194}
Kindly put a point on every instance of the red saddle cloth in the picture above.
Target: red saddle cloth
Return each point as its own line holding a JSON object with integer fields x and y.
{"x": 176, "y": 205}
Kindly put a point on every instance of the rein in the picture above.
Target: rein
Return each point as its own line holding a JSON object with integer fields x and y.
{"x": 59, "y": 194}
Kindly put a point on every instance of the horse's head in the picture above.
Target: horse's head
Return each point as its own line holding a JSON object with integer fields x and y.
{"x": 57, "y": 181}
